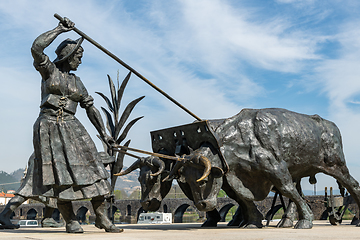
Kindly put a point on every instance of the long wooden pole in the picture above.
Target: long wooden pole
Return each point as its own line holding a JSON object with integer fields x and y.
{"x": 121, "y": 148}
{"x": 128, "y": 67}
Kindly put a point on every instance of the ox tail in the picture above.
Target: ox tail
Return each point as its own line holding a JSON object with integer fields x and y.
{"x": 342, "y": 189}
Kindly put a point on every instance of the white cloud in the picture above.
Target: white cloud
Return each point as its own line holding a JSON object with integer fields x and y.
{"x": 218, "y": 36}
{"x": 340, "y": 76}
{"x": 298, "y": 2}
{"x": 339, "y": 80}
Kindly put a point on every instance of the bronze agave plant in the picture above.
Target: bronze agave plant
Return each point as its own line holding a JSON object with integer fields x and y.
{"x": 115, "y": 123}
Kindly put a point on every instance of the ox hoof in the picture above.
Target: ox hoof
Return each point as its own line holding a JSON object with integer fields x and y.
{"x": 285, "y": 223}
{"x": 253, "y": 225}
{"x": 209, "y": 223}
{"x": 303, "y": 224}
{"x": 355, "y": 221}
{"x": 357, "y": 224}
{"x": 234, "y": 222}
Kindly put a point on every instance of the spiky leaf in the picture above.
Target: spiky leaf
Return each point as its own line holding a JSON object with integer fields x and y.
{"x": 103, "y": 143}
{"x": 122, "y": 88}
{"x": 126, "y": 130}
{"x": 113, "y": 96}
{"x": 117, "y": 167}
{"x": 126, "y": 115}
{"x": 109, "y": 122}
{"x": 107, "y": 100}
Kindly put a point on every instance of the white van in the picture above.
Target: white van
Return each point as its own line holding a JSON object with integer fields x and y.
{"x": 155, "y": 218}
{"x": 28, "y": 223}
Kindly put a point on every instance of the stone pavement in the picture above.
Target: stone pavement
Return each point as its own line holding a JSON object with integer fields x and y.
{"x": 191, "y": 231}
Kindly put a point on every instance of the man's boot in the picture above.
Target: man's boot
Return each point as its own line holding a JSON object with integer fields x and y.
{"x": 102, "y": 221}
{"x": 66, "y": 210}
{"x": 10, "y": 207}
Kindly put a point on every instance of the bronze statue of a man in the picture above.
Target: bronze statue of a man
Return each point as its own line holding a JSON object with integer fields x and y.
{"x": 67, "y": 165}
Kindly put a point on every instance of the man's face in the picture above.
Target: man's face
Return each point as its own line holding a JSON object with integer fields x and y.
{"x": 75, "y": 60}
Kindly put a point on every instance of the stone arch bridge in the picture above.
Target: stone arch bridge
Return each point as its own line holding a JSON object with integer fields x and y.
{"x": 130, "y": 209}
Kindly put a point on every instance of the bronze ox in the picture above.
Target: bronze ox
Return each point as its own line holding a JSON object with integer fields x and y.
{"x": 263, "y": 149}
{"x": 155, "y": 186}
{"x": 153, "y": 171}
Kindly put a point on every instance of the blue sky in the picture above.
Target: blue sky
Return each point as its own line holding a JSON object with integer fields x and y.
{"x": 214, "y": 56}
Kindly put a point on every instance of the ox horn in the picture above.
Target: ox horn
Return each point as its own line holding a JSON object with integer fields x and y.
{"x": 134, "y": 166}
{"x": 158, "y": 163}
{"x": 207, "y": 164}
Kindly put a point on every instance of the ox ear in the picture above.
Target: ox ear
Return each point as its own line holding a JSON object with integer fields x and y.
{"x": 217, "y": 172}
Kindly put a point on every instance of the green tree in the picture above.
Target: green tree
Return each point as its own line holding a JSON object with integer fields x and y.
{"x": 120, "y": 194}
{"x": 136, "y": 194}
{"x": 221, "y": 193}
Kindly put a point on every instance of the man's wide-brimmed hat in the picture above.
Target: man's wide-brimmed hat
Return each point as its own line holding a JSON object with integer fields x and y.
{"x": 66, "y": 48}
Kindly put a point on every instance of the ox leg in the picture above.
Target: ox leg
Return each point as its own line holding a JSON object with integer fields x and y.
{"x": 252, "y": 218}
{"x": 342, "y": 175}
{"x": 288, "y": 218}
{"x": 283, "y": 182}
{"x": 279, "y": 175}
{"x": 237, "y": 218}
{"x": 213, "y": 217}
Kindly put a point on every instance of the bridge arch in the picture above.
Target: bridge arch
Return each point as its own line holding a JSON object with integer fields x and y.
{"x": 224, "y": 210}
{"x": 179, "y": 213}
{"x": 81, "y": 214}
{"x": 31, "y": 214}
{"x": 56, "y": 215}
{"x": 128, "y": 210}
{"x": 115, "y": 215}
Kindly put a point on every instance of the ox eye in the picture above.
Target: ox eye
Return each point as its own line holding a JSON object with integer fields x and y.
{"x": 202, "y": 183}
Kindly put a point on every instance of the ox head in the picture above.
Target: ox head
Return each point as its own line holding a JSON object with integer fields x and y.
{"x": 153, "y": 190}
{"x": 203, "y": 179}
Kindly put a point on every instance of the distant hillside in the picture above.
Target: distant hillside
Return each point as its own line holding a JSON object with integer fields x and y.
{"x": 18, "y": 174}
{"x": 129, "y": 182}
{"x": 8, "y": 182}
